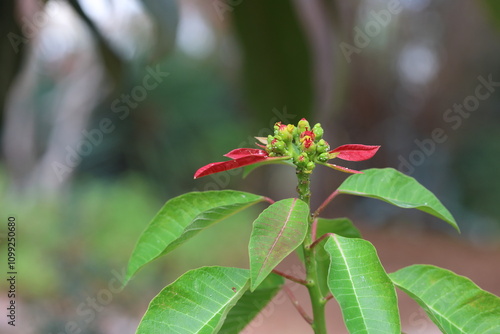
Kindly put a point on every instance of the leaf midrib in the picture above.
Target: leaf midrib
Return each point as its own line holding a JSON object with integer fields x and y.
{"x": 431, "y": 308}
{"x": 278, "y": 236}
{"x": 219, "y": 310}
{"x": 350, "y": 278}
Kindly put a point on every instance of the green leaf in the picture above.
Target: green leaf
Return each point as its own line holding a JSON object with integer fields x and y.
{"x": 250, "y": 168}
{"x": 341, "y": 226}
{"x": 182, "y": 218}
{"x": 277, "y": 231}
{"x": 454, "y": 303}
{"x": 398, "y": 189}
{"x": 197, "y": 302}
{"x": 360, "y": 284}
{"x": 250, "y": 304}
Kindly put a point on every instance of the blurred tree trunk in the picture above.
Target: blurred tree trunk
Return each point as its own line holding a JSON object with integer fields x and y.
{"x": 11, "y": 48}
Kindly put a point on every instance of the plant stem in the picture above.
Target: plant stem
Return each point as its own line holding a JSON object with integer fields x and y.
{"x": 290, "y": 277}
{"x": 296, "y": 303}
{"x": 325, "y": 203}
{"x": 304, "y": 187}
{"x": 314, "y": 228}
{"x": 323, "y": 237}
{"x": 269, "y": 200}
{"x": 317, "y": 299}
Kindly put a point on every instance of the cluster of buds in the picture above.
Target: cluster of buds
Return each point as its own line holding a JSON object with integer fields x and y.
{"x": 301, "y": 145}
{"x": 305, "y": 145}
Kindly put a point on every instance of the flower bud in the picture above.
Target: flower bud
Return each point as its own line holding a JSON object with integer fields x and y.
{"x": 307, "y": 144}
{"x": 310, "y": 166}
{"x": 302, "y": 160}
{"x": 318, "y": 131}
{"x": 284, "y": 133}
{"x": 276, "y": 146}
{"x": 303, "y": 125}
{"x": 276, "y": 126}
{"x": 279, "y": 146}
{"x": 307, "y": 134}
{"x": 323, "y": 157}
{"x": 322, "y": 146}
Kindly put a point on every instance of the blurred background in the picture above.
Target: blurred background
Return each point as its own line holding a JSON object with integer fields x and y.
{"x": 107, "y": 108}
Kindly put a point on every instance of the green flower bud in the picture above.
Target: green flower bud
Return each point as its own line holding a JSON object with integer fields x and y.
{"x": 284, "y": 133}
{"x": 318, "y": 131}
{"x": 322, "y": 146}
{"x": 279, "y": 146}
{"x": 293, "y": 131}
{"x": 276, "y": 126}
{"x": 323, "y": 157}
{"x": 302, "y": 160}
{"x": 308, "y": 145}
{"x": 310, "y": 166}
{"x": 303, "y": 125}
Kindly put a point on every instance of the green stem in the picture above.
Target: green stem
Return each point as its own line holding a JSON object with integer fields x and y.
{"x": 317, "y": 299}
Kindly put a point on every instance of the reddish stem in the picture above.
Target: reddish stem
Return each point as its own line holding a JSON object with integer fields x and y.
{"x": 290, "y": 277}
{"x": 325, "y": 203}
{"x": 324, "y": 236}
{"x": 268, "y": 200}
{"x": 314, "y": 228}
{"x": 297, "y": 305}
{"x": 330, "y": 296}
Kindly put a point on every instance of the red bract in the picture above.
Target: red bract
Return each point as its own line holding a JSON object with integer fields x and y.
{"x": 354, "y": 152}
{"x": 241, "y": 157}
{"x": 351, "y": 152}
{"x": 243, "y": 152}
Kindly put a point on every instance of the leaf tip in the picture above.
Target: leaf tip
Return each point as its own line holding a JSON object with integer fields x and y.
{"x": 126, "y": 280}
